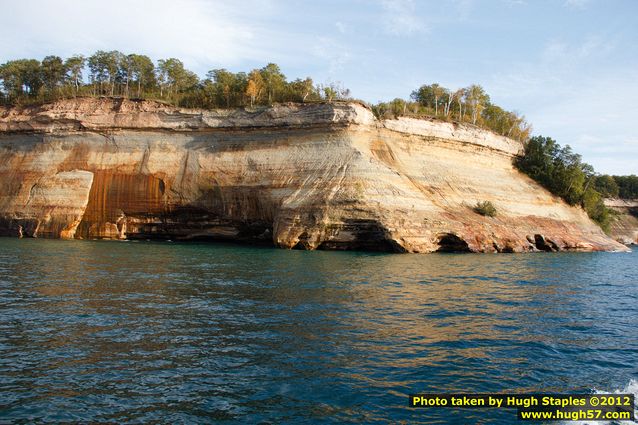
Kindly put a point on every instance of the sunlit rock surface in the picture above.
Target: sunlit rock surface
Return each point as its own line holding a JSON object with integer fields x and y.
{"x": 624, "y": 223}
{"x": 314, "y": 176}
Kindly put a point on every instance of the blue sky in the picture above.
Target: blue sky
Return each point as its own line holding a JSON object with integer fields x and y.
{"x": 570, "y": 66}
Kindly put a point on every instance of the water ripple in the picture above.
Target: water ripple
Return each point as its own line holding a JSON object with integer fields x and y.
{"x": 203, "y": 333}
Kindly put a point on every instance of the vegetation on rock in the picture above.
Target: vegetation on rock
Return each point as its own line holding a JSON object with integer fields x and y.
{"x": 485, "y": 208}
{"x": 563, "y": 173}
{"x": 470, "y": 104}
{"x": 113, "y": 73}
{"x": 623, "y": 187}
{"x": 627, "y": 186}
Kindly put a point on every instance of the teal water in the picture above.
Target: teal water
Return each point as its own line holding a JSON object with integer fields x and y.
{"x": 149, "y": 332}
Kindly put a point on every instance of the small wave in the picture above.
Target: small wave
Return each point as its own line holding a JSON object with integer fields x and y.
{"x": 630, "y": 388}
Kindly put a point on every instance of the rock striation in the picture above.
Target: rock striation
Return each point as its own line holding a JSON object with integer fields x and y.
{"x": 308, "y": 176}
{"x": 624, "y": 223}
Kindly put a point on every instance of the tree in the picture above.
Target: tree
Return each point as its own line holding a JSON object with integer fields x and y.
{"x": 239, "y": 88}
{"x": 398, "y": 107}
{"x": 20, "y": 78}
{"x": 32, "y": 76}
{"x": 301, "y": 89}
{"x": 108, "y": 69}
{"x": 274, "y": 81}
{"x": 224, "y": 83}
{"x": 477, "y": 99}
{"x": 173, "y": 77}
{"x": 329, "y": 92}
{"x": 519, "y": 128}
{"x": 100, "y": 70}
{"x": 448, "y": 103}
{"x": 255, "y": 86}
{"x": 459, "y": 95}
{"x": 437, "y": 92}
{"x": 627, "y": 186}
{"x": 12, "y": 76}
{"x": 125, "y": 73}
{"x": 563, "y": 173}
{"x": 111, "y": 73}
{"x": 141, "y": 72}
{"x": 424, "y": 95}
{"x": 606, "y": 185}
{"x": 74, "y": 67}
{"x": 53, "y": 73}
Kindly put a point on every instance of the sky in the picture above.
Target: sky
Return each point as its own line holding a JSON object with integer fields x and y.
{"x": 569, "y": 66}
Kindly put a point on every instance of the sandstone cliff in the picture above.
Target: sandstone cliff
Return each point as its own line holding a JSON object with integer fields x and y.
{"x": 624, "y": 224}
{"x": 313, "y": 176}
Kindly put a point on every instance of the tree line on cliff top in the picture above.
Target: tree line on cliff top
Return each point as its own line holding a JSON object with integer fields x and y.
{"x": 468, "y": 104}
{"x": 112, "y": 73}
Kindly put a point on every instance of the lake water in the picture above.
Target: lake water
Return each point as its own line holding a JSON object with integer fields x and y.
{"x": 201, "y": 333}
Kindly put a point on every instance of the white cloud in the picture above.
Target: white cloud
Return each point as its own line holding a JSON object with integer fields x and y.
{"x": 400, "y": 17}
{"x": 201, "y": 33}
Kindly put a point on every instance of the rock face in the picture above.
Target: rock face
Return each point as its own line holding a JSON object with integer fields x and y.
{"x": 312, "y": 176}
{"x": 624, "y": 226}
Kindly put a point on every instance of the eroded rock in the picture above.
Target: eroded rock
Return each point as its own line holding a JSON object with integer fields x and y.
{"x": 296, "y": 176}
{"x": 624, "y": 224}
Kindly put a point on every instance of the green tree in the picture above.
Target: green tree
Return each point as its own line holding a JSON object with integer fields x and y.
{"x": 398, "y": 107}
{"x": 627, "y": 186}
{"x": 53, "y": 73}
{"x": 20, "y": 78}
{"x": 32, "y": 76}
{"x": 506, "y": 123}
{"x": 449, "y": 99}
{"x": 224, "y": 86}
{"x": 142, "y": 72}
{"x": 460, "y": 96}
{"x": 274, "y": 81}
{"x": 477, "y": 100}
{"x": 329, "y": 93}
{"x": 100, "y": 68}
{"x": 606, "y": 185}
{"x": 563, "y": 173}
{"x": 111, "y": 73}
{"x": 173, "y": 78}
{"x": 301, "y": 89}
{"x": 438, "y": 92}
{"x": 74, "y": 67}
{"x": 424, "y": 95}
{"x": 11, "y": 74}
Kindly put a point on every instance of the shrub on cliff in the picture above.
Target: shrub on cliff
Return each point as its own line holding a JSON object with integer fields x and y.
{"x": 485, "y": 208}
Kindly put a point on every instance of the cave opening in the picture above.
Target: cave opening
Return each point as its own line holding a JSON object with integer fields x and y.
{"x": 543, "y": 244}
{"x": 450, "y": 242}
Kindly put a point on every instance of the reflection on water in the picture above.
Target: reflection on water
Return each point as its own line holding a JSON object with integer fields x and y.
{"x": 176, "y": 333}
